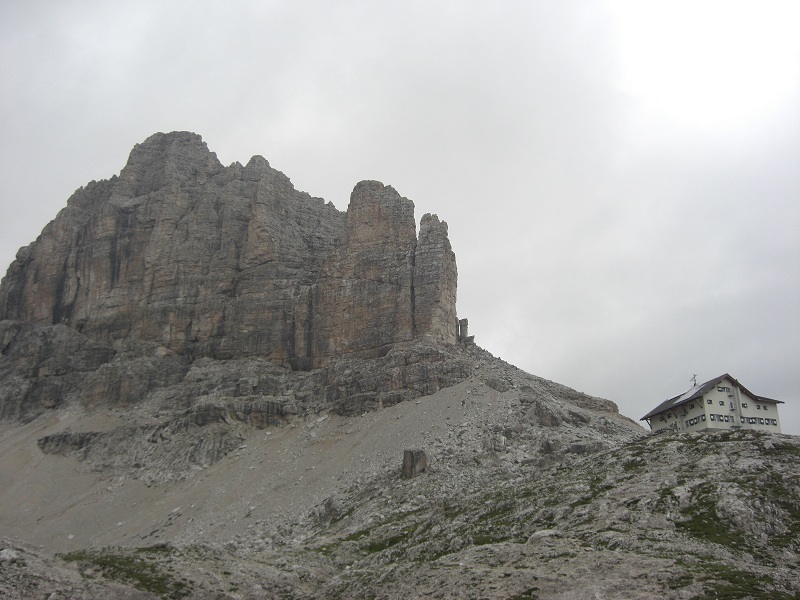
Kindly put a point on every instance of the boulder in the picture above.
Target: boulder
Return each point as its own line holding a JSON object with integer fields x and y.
{"x": 414, "y": 463}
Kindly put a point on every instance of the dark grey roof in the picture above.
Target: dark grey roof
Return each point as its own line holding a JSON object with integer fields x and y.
{"x": 697, "y": 392}
{"x": 692, "y": 394}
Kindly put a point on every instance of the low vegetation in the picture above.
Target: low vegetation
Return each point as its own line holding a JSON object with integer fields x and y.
{"x": 139, "y": 568}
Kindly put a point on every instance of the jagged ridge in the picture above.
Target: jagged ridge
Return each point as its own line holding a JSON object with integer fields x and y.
{"x": 180, "y": 258}
{"x": 226, "y": 262}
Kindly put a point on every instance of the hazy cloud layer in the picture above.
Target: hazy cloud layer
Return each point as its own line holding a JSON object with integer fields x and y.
{"x": 621, "y": 179}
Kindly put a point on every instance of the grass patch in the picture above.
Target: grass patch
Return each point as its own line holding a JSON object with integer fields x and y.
{"x": 385, "y": 543}
{"x": 132, "y": 569}
{"x": 680, "y": 581}
{"x": 666, "y": 497}
{"x": 453, "y": 511}
{"x": 778, "y": 490}
{"x": 704, "y": 523}
{"x": 348, "y": 513}
{"x": 354, "y": 537}
{"x": 637, "y": 464}
{"x": 597, "y": 488}
{"x": 326, "y": 550}
{"x": 726, "y": 583}
{"x": 483, "y": 539}
{"x": 782, "y": 449}
{"x": 504, "y": 508}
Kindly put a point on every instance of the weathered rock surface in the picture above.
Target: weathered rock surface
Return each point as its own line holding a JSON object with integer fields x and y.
{"x": 206, "y": 260}
{"x": 182, "y": 257}
{"x": 208, "y": 381}
{"x": 414, "y": 463}
{"x": 678, "y": 516}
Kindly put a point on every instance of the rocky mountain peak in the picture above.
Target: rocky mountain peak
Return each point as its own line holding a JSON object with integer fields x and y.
{"x": 377, "y": 214}
{"x": 258, "y": 162}
{"x": 181, "y": 253}
{"x": 168, "y": 159}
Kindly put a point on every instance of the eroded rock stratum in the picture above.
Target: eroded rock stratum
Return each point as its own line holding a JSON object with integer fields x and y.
{"x": 226, "y": 262}
{"x": 180, "y": 258}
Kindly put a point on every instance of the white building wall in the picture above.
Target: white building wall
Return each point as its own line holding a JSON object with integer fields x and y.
{"x": 722, "y": 406}
{"x": 725, "y": 407}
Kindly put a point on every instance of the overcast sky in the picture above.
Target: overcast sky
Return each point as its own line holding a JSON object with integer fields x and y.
{"x": 621, "y": 179}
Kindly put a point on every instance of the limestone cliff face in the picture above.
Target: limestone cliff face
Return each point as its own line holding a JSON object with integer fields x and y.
{"x": 374, "y": 262}
{"x": 228, "y": 262}
{"x": 435, "y": 282}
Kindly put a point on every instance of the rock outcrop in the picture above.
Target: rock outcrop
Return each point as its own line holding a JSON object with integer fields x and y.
{"x": 655, "y": 518}
{"x": 414, "y": 463}
{"x": 222, "y": 262}
{"x": 180, "y": 258}
{"x": 381, "y": 285}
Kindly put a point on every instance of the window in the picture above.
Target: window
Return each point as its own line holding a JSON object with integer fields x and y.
{"x": 702, "y": 417}
{"x": 761, "y": 421}
{"x": 713, "y": 417}
{"x": 765, "y": 407}
{"x": 722, "y": 402}
{"x": 744, "y": 404}
{"x": 731, "y": 405}
{"x": 726, "y": 418}
{"x": 758, "y": 407}
{"x": 691, "y": 406}
{"x": 744, "y": 420}
{"x": 774, "y": 421}
{"x": 708, "y": 401}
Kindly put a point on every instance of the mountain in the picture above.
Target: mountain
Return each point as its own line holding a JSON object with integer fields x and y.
{"x": 185, "y": 259}
{"x": 213, "y": 385}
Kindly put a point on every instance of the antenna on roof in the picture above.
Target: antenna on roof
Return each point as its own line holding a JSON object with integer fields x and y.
{"x": 694, "y": 380}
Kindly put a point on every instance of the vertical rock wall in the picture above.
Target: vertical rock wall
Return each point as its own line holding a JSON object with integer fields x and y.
{"x": 225, "y": 262}
{"x": 364, "y": 298}
{"x": 435, "y": 279}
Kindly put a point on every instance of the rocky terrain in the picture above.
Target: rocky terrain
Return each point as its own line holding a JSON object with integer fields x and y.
{"x": 619, "y": 523}
{"x": 209, "y": 382}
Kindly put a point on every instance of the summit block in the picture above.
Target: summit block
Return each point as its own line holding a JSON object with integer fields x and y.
{"x": 228, "y": 262}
